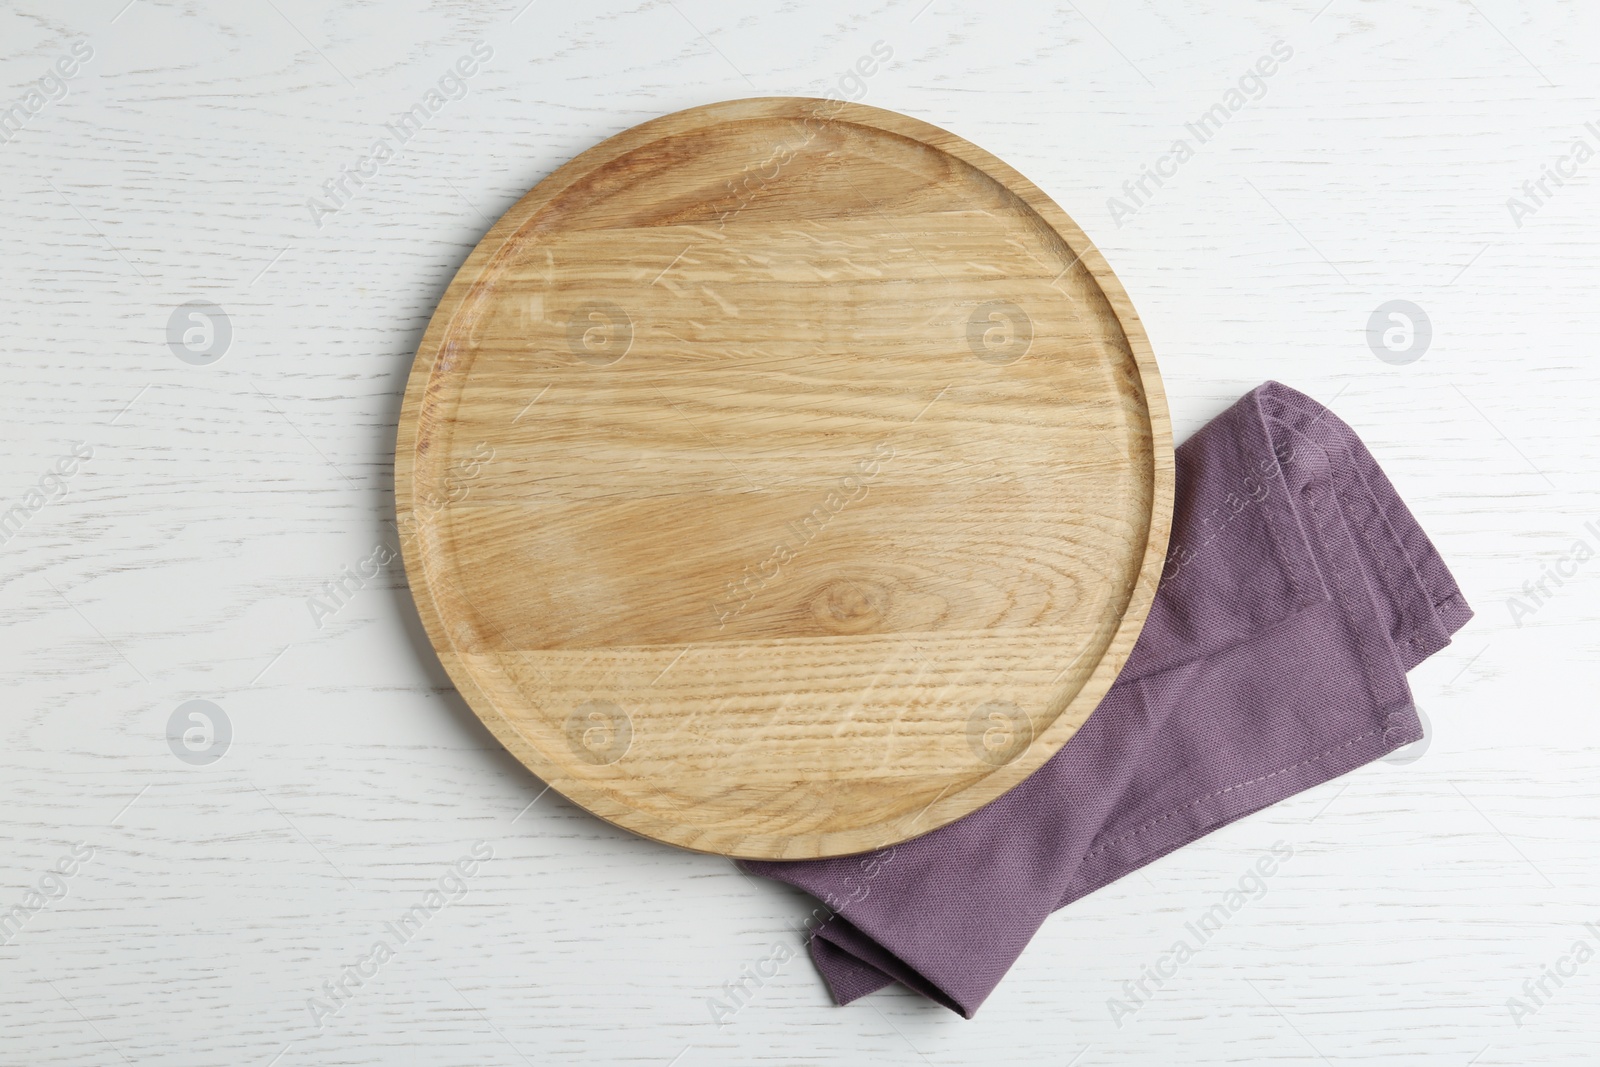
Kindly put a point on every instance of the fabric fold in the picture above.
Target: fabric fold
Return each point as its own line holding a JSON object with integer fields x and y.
{"x": 1298, "y": 590}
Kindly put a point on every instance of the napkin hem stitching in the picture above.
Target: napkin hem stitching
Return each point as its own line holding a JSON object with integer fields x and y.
{"x": 1197, "y": 801}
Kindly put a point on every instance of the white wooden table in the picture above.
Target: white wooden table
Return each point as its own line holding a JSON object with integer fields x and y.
{"x": 208, "y": 902}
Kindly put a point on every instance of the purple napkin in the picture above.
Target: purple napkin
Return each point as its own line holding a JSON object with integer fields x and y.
{"x": 1298, "y": 591}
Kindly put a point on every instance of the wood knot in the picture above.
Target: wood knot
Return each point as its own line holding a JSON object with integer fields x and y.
{"x": 850, "y": 606}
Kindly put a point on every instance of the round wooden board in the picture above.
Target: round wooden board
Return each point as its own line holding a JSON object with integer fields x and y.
{"x": 784, "y": 478}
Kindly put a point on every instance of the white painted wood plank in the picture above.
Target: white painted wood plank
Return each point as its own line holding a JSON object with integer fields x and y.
{"x": 1376, "y": 165}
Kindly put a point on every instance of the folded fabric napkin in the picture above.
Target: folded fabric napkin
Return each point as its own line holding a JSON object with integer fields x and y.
{"x": 1298, "y": 591}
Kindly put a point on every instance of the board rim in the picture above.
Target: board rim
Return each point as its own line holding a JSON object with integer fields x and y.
{"x": 946, "y": 808}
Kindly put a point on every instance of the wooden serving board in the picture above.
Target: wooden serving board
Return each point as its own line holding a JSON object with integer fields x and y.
{"x": 784, "y": 478}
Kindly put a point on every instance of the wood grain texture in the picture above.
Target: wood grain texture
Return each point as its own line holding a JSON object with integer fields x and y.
{"x": 1378, "y": 164}
{"x": 784, "y": 478}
